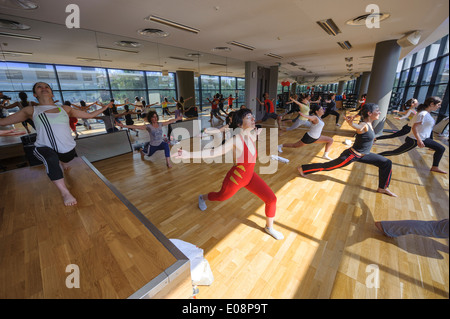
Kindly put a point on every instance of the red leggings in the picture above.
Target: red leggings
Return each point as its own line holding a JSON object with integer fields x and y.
{"x": 239, "y": 176}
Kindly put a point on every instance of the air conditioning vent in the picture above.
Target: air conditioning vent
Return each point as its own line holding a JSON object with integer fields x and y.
{"x": 13, "y": 25}
{"x": 128, "y": 44}
{"x": 345, "y": 45}
{"x": 329, "y": 26}
{"x": 150, "y": 32}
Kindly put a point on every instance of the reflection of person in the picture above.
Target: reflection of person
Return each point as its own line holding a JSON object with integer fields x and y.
{"x": 242, "y": 174}
{"x": 157, "y": 142}
{"x": 54, "y": 142}
{"x": 11, "y": 132}
{"x": 407, "y": 114}
{"x": 314, "y": 135}
{"x": 269, "y": 110}
{"x": 21, "y": 104}
{"x": 360, "y": 151}
{"x": 437, "y": 229}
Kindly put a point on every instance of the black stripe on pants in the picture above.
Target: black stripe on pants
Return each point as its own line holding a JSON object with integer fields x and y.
{"x": 384, "y": 165}
{"x": 51, "y": 159}
{"x": 411, "y": 143}
{"x": 328, "y": 112}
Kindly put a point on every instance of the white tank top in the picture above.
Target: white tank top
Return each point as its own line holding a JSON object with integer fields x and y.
{"x": 316, "y": 129}
{"x": 53, "y": 129}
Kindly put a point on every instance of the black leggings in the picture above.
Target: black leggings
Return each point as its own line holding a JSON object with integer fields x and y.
{"x": 328, "y": 112}
{"x": 348, "y": 156}
{"x": 411, "y": 143}
{"x": 51, "y": 159}
{"x": 405, "y": 130}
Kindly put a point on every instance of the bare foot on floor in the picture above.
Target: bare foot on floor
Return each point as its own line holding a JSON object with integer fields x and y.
{"x": 66, "y": 167}
{"x": 69, "y": 200}
{"x": 380, "y": 228}
{"x": 386, "y": 191}
{"x": 437, "y": 170}
{"x": 300, "y": 171}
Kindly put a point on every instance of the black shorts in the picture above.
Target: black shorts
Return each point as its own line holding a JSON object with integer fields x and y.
{"x": 306, "y": 139}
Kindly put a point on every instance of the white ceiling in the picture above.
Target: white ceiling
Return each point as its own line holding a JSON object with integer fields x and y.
{"x": 284, "y": 27}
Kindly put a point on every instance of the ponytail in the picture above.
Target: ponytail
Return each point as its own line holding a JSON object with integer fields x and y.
{"x": 427, "y": 103}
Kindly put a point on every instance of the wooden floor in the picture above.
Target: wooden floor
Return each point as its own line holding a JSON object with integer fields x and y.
{"x": 115, "y": 253}
{"x": 331, "y": 247}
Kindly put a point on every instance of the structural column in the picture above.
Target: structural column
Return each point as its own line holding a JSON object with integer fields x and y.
{"x": 185, "y": 87}
{"x": 365, "y": 78}
{"x": 384, "y": 67}
{"x": 340, "y": 89}
{"x": 251, "y": 85}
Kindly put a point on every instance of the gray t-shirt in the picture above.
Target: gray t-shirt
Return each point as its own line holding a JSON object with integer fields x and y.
{"x": 156, "y": 134}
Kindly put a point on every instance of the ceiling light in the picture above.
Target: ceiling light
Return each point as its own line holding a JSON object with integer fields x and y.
{"x": 329, "y": 26}
{"x": 172, "y": 24}
{"x": 349, "y": 65}
{"x": 215, "y": 63}
{"x": 20, "y": 36}
{"x": 242, "y": 45}
{"x": 149, "y": 64}
{"x": 13, "y": 25}
{"x": 92, "y": 60}
{"x": 181, "y": 59}
{"x": 19, "y": 4}
{"x": 128, "y": 44}
{"x": 15, "y": 53}
{"x": 150, "y": 32}
{"x": 272, "y": 55}
{"x": 361, "y": 20}
{"x": 225, "y": 49}
{"x": 194, "y": 55}
{"x": 120, "y": 50}
{"x": 349, "y": 59}
{"x": 345, "y": 45}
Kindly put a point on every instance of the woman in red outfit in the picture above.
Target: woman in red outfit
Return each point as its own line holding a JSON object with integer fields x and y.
{"x": 242, "y": 174}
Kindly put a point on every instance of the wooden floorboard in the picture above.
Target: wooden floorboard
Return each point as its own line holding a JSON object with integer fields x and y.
{"x": 331, "y": 245}
{"x": 115, "y": 252}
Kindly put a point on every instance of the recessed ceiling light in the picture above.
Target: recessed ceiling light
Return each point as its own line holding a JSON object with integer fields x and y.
{"x": 361, "y": 20}
{"x": 119, "y": 50}
{"x": 225, "y": 49}
{"x": 15, "y": 53}
{"x": 272, "y": 55}
{"x": 13, "y": 25}
{"x": 150, "y": 32}
{"x": 242, "y": 45}
{"x": 172, "y": 24}
{"x": 20, "y": 36}
{"x": 194, "y": 55}
{"x": 92, "y": 60}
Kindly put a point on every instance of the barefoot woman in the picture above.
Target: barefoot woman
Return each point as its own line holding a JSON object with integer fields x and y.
{"x": 54, "y": 141}
{"x": 360, "y": 151}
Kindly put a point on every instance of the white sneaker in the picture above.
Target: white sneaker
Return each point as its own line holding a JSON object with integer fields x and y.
{"x": 338, "y": 124}
{"x": 327, "y": 157}
{"x": 275, "y": 234}
{"x": 280, "y": 149}
{"x": 201, "y": 203}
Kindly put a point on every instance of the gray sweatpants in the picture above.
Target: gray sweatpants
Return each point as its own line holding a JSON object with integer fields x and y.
{"x": 437, "y": 229}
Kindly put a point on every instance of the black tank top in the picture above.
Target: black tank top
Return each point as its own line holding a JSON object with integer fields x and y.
{"x": 363, "y": 142}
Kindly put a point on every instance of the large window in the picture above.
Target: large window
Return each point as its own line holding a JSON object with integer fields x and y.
{"x": 423, "y": 74}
